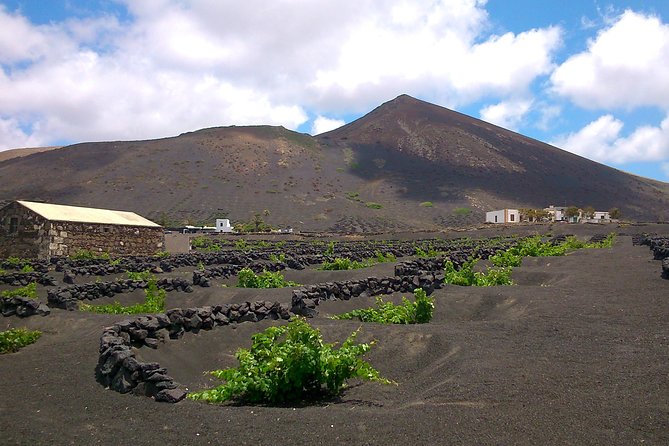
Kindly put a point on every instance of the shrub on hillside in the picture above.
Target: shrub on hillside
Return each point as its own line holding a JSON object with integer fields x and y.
{"x": 291, "y": 363}
{"x": 267, "y": 279}
{"x": 14, "y": 339}
{"x": 418, "y": 312}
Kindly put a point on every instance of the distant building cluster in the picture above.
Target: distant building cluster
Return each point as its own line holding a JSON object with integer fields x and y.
{"x": 568, "y": 214}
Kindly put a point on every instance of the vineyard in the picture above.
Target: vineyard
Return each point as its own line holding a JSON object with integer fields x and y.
{"x": 342, "y": 340}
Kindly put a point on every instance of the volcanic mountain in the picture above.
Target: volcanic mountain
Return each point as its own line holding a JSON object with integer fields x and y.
{"x": 406, "y": 165}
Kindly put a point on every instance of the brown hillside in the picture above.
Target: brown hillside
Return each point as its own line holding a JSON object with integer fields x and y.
{"x": 15, "y": 153}
{"x": 374, "y": 174}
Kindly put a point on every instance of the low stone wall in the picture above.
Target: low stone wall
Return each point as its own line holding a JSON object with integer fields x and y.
{"x": 68, "y": 298}
{"x": 118, "y": 367}
{"x": 660, "y": 248}
{"x": 306, "y": 299}
{"x": 23, "y": 279}
{"x": 22, "y": 307}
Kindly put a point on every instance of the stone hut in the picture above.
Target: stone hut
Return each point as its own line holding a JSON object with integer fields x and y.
{"x": 41, "y": 230}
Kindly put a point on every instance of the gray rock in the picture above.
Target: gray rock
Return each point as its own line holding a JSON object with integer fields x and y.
{"x": 170, "y": 395}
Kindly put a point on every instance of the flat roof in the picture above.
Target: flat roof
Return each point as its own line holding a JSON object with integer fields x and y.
{"x": 59, "y": 212}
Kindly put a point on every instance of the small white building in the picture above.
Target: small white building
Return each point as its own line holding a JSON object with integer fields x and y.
{"x": 556, "y": 213}
{"x": 503, "y": 216}
{"x": 599, "y": 217}
{"x": 223, "y": 225}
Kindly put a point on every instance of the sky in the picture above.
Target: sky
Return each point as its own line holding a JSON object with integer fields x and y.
{"x": 591, "y": 77}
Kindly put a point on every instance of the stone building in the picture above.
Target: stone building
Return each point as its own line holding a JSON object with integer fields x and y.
{"x": 41, "y": 230}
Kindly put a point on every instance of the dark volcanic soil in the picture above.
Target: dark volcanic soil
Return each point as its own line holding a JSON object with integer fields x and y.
{"x": 576, "y": 353}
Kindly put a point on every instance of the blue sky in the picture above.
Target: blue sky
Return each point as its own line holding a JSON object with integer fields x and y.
{"x": 591, "y": 77}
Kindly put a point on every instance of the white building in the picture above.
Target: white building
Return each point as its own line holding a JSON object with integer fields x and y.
{"x": 600, "y": 217}
{"x": 223, "y": 225}
{"x": 556, "y": 213}
{"x": 503, "y": 216}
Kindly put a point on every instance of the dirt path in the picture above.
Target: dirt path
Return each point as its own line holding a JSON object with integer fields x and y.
{"x": 576, "y": 353}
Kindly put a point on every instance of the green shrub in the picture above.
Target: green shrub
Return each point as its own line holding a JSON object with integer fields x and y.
{"x": 466, "y": 276}
{"x": 355, "y": 196}
{"x": 27, "y": 269}
{"x": 291, "y": 363}
{"x": 14, "y": 339}
{"x": 384, "y": 258}
{"x": 199, "y": 242}
{"x": 267, "y": 279}
{"x": 606, "y": 243}
{"x": 330, "y": 249}
{"x": 277, "y": 258}
{"x": 462, "y": 277}
{"x": 418, "y": 312}
{"x": 29, "y": 291}
{"x": 427, "y": 204}
{"x": 494, "y": 276}
{"x": 429, "y": 251}
{"x": 342, "y": 264}
{"x": 242, "y": 245}
{"x": 506, "y": 259}
{"x": 154, "y": 302}
{"x": 16, "y": 262}
{"x": 372, "y": 205}
{"x": 161, "y": 254}
{"x": 141, "y": 276}
{"x": 214, "y": 247}
{"x": 462, "y": 211}
{"x": 87, "y": 254}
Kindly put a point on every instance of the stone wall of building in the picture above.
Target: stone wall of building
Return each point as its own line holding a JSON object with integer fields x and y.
{"x": 22, "y": 233}
{"x": 66, "y": 238}
{"x": 26, "y": 234}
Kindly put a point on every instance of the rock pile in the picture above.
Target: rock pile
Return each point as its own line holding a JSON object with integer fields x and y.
{"x": 23, "y": 279}
{"x": 22, "y": 307}
{"x": 660, "y": 248}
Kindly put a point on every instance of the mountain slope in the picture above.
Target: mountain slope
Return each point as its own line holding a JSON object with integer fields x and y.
{"x": 406, "y": 165}
{"x": 447, "y": 156}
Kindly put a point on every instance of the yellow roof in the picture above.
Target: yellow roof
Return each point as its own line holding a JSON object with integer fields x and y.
{"x": 59, "y": 212}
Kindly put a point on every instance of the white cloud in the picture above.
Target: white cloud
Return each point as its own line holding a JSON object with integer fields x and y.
{"x": 626, "y": 65}
{"x": 179, "y": 65}
{"x": 323, "y": 124}
{"x": 12, "y": 136}
{"x": 507, "y": 114}
{"x": 601, "y": 140}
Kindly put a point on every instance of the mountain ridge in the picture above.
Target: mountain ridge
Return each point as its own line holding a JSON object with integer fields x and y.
{"x": 407, "y": 164}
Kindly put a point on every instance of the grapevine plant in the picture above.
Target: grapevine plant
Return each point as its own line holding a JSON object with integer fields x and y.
{"x": 14, "y": 339}
{"x": 267, "y": 279}
{"x": 291, "y": 363}
{"x": 154, "y": 302}
{"x": 418, "y": 312}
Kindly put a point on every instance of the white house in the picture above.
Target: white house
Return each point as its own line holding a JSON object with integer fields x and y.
{"x": 600, "y": 217}
{"x": 503, "y": 216}
{"x": 556, "y": 213}
{"x": 223, "y": 225}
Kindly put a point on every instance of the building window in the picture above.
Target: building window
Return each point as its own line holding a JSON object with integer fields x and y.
{"x": 105, "y": 229}
{"x": 513, "y": 217}
{"x": 13, "y": 225}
